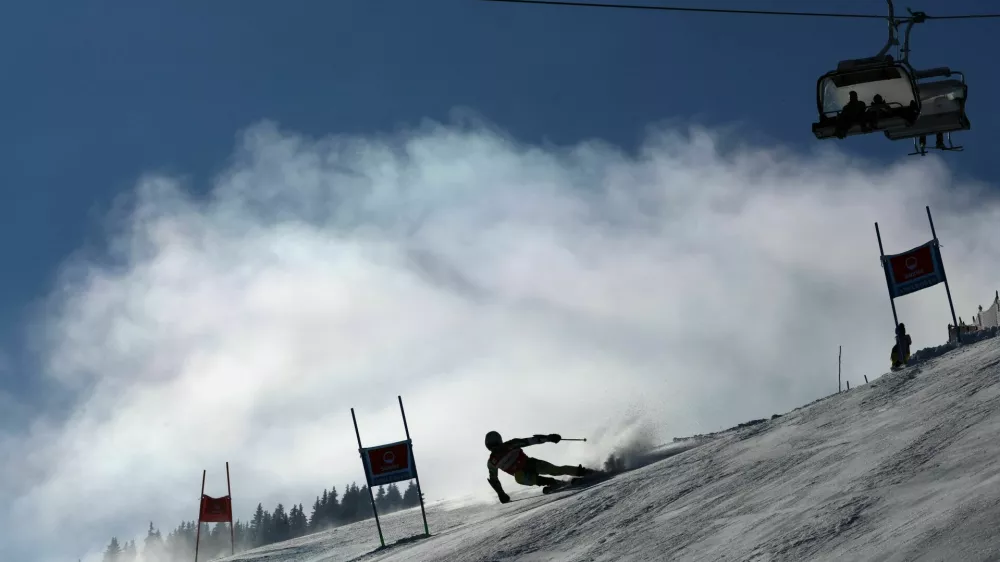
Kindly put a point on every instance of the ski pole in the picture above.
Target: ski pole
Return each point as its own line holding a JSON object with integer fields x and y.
{"x": 567, "y": 439}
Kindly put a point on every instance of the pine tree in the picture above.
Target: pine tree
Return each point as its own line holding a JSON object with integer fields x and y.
{"x": 280, "y": 522}
{"x": 245, "y": 541}
{"x": 113, "y": 552}
{"x": 129, "y": 553}
{"x": 332, "y": 507}
{"x": 267, "y": 529}
{"x": 315, "y": 519}
{"x": 380, "y": 502}
{"x": 240, "y": 535}
{"x": 293, "y": 517}
{"x": 364, "y": 504}
{"x": 176, "y": 542}
{"x": 298, "y": 524}
{"x": 257, "y": 531}
{"x": 168, "y": 548}
{"x": 186, "y": 537}
{"x": 152, "y": 547}
{"x": 393, "y": 499}
{"x": 349, "y": 504}
{"x": 410, "y": 497}
{"x": 216, "y": 538}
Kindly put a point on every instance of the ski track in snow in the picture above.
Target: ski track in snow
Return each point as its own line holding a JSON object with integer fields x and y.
{"x": 903, "y": 468}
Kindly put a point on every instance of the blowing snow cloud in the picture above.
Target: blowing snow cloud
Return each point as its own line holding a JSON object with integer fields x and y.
{"x": 492, "y": 284}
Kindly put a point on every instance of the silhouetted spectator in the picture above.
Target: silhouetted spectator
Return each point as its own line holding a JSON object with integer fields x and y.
{"x": 851, "y": 114}
{"x": 902, "y": 339}
{"x": 879, "y": 109}
{"x": 911, "y": 113}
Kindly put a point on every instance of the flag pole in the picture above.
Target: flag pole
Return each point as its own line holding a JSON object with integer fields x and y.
{"x": 416, "y": 474}
{"x": 944, "y": 274}
{"x": 232, "y": 533}
{"x": 371, "y": 494}
{"x": 892, "y": 300}
{"x": 197, "y": 535}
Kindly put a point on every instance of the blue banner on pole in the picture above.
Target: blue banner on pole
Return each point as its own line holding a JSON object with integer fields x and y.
{"x": 913, "y": 270}
{"x": 385, "y": 464}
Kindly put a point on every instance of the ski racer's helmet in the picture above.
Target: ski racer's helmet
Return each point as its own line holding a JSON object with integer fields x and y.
{"x": 493, "y": 439}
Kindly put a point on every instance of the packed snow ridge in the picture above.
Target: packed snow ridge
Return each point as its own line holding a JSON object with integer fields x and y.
{"x": 903, "y": 468}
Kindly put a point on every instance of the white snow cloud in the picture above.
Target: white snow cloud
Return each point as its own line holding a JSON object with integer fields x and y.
{"x": 493, "y": 285}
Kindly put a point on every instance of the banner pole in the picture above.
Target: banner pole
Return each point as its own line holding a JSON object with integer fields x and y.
{"x": 371, "y": 494}
{"x": 197, "y": 535}
{"x": 232, "y": 533}
{"x": 892, "y": 301}
{"x": 944, "y": 274}
{"x": 414, "y": 461}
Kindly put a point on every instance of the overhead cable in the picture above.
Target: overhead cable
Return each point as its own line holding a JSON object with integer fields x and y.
{"x": 733, "y": 11}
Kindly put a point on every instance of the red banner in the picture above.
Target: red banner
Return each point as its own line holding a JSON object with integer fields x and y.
{"x": 915, "y": 263}
{"x": 216, "y": 510}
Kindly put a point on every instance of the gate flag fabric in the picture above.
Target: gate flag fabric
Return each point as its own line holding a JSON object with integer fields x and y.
{"x": 389, "y": 463}
{"x": 216, "y": 510}
{"x": 913, "y": 270}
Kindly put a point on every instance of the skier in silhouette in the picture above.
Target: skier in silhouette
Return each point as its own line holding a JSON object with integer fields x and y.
{"x": 509, "y": 457}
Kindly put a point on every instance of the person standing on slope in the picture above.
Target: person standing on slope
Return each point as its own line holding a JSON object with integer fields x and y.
{"x": 509, "y": 457}
{"x": 901, "y": 357}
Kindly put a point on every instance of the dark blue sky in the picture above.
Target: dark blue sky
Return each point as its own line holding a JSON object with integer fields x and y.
{"x": 96, "y": 93}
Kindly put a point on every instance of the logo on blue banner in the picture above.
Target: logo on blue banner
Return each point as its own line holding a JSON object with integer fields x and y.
{"x": 913, "y": 270}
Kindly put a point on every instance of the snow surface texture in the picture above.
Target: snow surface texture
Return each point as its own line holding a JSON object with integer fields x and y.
{"x": 903, "y": 468}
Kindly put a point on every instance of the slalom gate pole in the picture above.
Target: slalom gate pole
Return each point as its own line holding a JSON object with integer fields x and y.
{"x": 892, "y": 300}
{"x": 944, "y": 273}
{"x": 197, "y": 535}
{"x": 414, "y": 461}
{"x": 371, "y": 494}
{"x": 840, "y": 354}
{"x": 232, "y": 533}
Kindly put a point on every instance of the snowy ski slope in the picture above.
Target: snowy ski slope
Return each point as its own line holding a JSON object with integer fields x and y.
{"x": 904, "y": 468}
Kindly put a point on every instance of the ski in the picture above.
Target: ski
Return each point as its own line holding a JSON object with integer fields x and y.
{"x": 557, "y": 487}
{"x": 576, "y": 481}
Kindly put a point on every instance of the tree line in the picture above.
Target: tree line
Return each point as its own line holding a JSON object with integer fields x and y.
{"x": 265, "y": 527}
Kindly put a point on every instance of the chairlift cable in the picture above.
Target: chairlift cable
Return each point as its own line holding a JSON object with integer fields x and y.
{"x": 687, "y": 9}
{"x": 732, "y": 11}
{"x": 964, "y": 17}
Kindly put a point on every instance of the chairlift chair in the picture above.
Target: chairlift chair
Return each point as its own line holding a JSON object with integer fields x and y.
{"x": 892, "y": 80}
{"x": 908, "y": 105}
{"x": 942, "y": 112}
